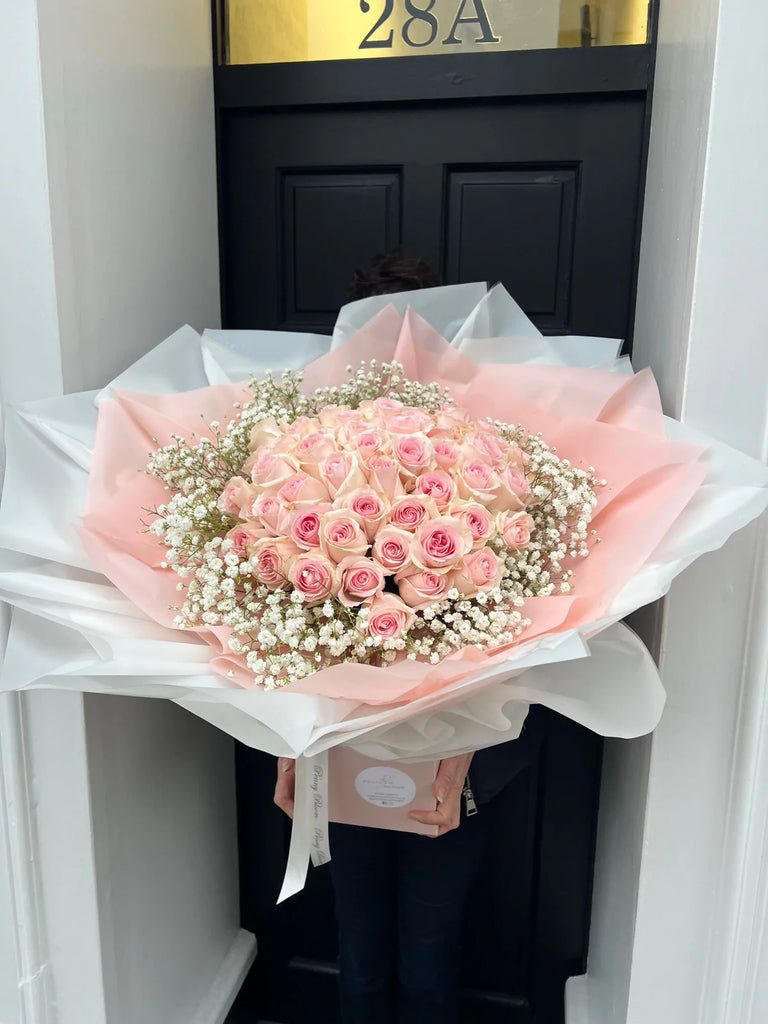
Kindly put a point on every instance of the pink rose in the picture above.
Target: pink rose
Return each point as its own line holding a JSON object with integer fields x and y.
{"x": 305, "y": 526}
{"x": 341, "y": 473}
{"x": 350, "y": 426}
{"x": 330, "y": 416}
{"x": 451, "y": 416}
{"x": 438, "y": 485}
{"x": 392, "y": 548}
{"x": 342, "y": 534}
{"x": 264, "y": 433}
{"x": 423, "y": 588}
{"x": 446, "y": 452}
{"x": 451, "y": 421}
{"x": 314, "y": 449}
{"x": 368, "y": 505}
{"x": 478, "y": 519}
{"x": 236, "y": 494}
{"x": 371, "y": 442}
{"x": 269, "y": 511}
{"x": 409, "y": 421}
{"x": 440, "y": 543}
{"x": 489, "y": 447}
{"x": 302, "y": 426}
{"x": 515, "y": 528}
{"x": 244, "y": 538}
{"x": 368, "y": 412}
{"x": 411, "y": 510}
{"x": 414, "y": 452}
{"x": 302, "y": 489}
{"x": 247, "y": 467}
{"x": 282, "y": 445}
{"x": 390, "y": 617}
{"x": 480, "y": 570}
{"x": 272, "y": 558}
{"x": 314, "y": 576}
{"x": 344, "y": 414}
{"x": 361, "y": 580}
{"x": 384, "y": 475}
{"x": 515, "y": 492}
{"x": 269, "y": 471}
{"x": 478, "y": 481}
{"x": 388, "y": 406}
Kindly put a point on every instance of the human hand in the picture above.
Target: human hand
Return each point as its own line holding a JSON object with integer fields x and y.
{"x": 449, "y": 784}
{"x": 285, "y": 787}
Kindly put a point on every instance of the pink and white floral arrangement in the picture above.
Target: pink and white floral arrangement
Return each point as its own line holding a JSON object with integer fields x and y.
{"x": 368, "y": 523}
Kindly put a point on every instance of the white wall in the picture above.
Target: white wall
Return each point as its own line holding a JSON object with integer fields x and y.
{"x": 698, "y": 946}
{"x": 119, "y": 814}
{"x": 129, "y": 131}
{"x": 27, "y": 286}
{"x": 130, "y": 141}
{"x": 713, "y": 614}
{"x": 9, "y": 965}
{"x": 674, "y": 192}
{"x": 665, "y": 291}
{"x": 166, "y": 852}
{"x": 9, "y": 998}
{"x": 27, "y": 308}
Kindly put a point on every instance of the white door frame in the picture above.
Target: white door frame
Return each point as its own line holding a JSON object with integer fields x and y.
{"x": 34, "y": 779}
{"x": 681, "y": 888}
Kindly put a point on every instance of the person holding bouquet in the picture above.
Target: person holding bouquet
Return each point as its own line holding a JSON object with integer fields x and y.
{"x": 400, "y": 897}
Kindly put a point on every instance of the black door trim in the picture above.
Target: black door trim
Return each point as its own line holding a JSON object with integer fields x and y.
{"x": 604, "y": 69}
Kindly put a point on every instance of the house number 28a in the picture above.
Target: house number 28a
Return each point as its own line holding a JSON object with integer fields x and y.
{"x": 421, "y": 27}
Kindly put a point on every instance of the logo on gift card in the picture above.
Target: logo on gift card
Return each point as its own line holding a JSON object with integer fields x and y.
{"x": 385, "y": 786}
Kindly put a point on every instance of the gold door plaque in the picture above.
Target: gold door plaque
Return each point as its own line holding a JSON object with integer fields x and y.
{"x": 281, "y": 31}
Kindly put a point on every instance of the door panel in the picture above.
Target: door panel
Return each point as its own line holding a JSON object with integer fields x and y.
{"x": 494, "y": 215}
{"x": 316, "y": 255}
{"x": 541, "y": 195}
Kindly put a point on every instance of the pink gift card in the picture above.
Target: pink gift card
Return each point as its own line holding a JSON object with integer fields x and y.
{"x": 379, "y": 794}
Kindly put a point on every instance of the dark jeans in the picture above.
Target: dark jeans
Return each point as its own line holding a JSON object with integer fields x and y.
{"x": 400, "y": 902}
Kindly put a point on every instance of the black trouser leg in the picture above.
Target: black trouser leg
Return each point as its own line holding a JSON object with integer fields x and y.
{"x": 434, "y": 878}
{"x": 363, "y": 872}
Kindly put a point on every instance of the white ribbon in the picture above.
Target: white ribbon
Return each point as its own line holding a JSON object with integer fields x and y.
{"x": 309, "y": 834}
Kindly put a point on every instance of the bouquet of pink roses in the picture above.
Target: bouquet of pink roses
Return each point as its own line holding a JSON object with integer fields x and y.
{"x": 400, "y": 556}
{"x": 365, "y": 523}
{"x": 399, "y": 559}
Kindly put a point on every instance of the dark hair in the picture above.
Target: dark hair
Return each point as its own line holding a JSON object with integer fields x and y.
{"x": 391, "y": 273}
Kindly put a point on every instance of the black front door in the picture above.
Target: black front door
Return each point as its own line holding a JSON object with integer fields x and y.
{"x": 541, "y": 195}
{"x": 520, "y": 168}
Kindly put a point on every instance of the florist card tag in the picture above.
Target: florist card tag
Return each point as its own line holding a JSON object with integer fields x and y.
{"x": 380, "y": 794}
